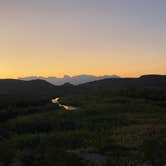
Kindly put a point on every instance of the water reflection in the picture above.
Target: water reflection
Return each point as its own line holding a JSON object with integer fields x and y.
{"x": 66, "y": 107}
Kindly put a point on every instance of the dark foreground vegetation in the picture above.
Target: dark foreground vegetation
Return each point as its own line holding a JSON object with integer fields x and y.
{"x": 119, "y": 122}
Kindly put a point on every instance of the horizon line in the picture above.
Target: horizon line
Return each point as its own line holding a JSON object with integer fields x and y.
{"x": 67, "y": 75}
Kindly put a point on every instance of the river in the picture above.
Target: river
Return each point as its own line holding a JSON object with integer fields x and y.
{"x": 66, "y": 107}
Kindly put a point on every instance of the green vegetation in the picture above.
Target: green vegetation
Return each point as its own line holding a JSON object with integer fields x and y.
{"x": 110, "y": 128}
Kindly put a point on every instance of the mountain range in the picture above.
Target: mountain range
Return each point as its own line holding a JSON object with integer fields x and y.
{"x": 75, "y": 80}
{"x": 44, "y": 89}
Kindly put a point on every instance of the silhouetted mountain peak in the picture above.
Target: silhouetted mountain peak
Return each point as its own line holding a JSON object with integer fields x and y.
{"x": 19, "y": 87}
{"x": 75, "y": 80}
{"x": 39, "y": 81}
{"x": 152, "y": 76}
{"x": 42, "y": 88}
{"x": 66, "y": 76}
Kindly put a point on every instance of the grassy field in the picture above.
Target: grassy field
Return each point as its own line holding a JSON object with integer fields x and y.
{"x": 125, "y": 130}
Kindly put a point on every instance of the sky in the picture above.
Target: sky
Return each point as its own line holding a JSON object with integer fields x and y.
{"x": 99, "y": 37}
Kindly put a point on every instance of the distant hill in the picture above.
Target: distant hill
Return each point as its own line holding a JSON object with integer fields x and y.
{"x": 43, "y": 89}
{"x": 19, "y": 87}
{"x": 75, "y": 80}
{"x": 148, "y": 85}
{"x": 157, "y": 81}
{"x": 146, "y": 81}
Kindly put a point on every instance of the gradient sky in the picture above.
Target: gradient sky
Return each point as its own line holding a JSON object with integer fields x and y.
{"x": 57, "y": 37}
